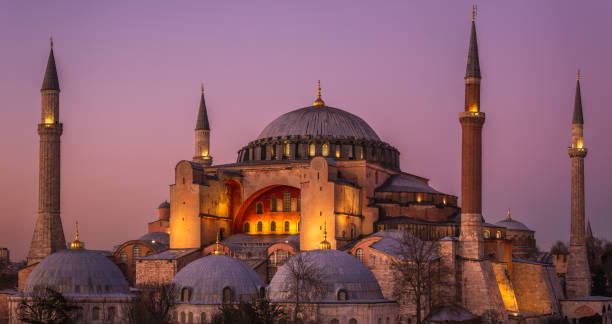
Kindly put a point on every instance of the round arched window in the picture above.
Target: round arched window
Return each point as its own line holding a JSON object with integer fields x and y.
{"x": 498, "y": 234}
{"x": 486, "y": 234}
{"x": 342, "y": 295}
{"x": 312, "y": 149}
{"x": 287, "y": 226}
{"x": 359, "y": 254}
{"x": 227, "y": 295}
{"x": 259, "y": 226}
{"x": 247, "y": 227}
{"x": 273, "y": 226}
{"x": 325, "y": 149}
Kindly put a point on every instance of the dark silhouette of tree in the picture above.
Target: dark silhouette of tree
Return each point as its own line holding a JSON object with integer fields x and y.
{"x": 559, "y": 248}
{"x": 259, "y": 312}
{"x": 154, "y": 306}
{"x": 305, "y": 282}
{"x": 46, "y": 306}
{"x": 415, "y": 269}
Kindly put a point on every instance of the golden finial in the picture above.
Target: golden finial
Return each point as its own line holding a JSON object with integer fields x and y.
{"x": 473, "y": 12}
{"x": 76, "y": 244}
{"x": 217, "y": 252}
{"x": 578, "y": 75}
{"x": 319, "y": 101}
{"x": 508, "y": 215}
{"x": 51, "y": 41}
{"x": 324, "y": 245}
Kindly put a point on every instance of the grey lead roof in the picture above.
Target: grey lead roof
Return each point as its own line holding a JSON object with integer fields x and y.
{"x": 473, "y": 63}
{"x": 202, "y": 123}
{"x": 578, "y": 106}
{"x": 405, "y": 183}
{"x": 512, "y": 224}
{"x": 319, "y": 121}
{"x": 50, "y": 82}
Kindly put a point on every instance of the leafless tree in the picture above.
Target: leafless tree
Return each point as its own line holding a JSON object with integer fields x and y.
{"x": 305, "y": 282}
{"x": 559, "y": 248}
{"x": 154, "y": 306}
{"x": 415, "y": 271}
{"x": 46, "y": 306}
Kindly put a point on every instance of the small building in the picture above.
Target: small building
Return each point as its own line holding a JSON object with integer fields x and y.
{"x": 126, "y": 254}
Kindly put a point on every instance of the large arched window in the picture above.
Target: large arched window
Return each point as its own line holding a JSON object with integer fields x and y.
{"x": 287, "y": 226}
{"x": 359, "y": 254}
{"x": 95, "y": 313}
{"x": 259, "y": 208}
{"x": 325, "y": 149}
{"x": 312, "y": 149}
{"x": 334, "y": 321}
{"x": 190, "y": 317}
{"x": 110, "y": 314}
{"x": 486, "y": 234}
{"x": 498, "y": 234}
{"x": 227, "y": 295}
{"x": 136, "y": 253}
{"x": 185, "y": 294}
{"x": 286, "y": 201}
{"x": 247, "y": 227}
{"x": 259, "y": 226}
{"x": 273, "y": 226}
{"x": 203, "y": 318}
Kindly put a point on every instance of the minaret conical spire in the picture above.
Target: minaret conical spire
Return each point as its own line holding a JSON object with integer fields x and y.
{"x": 51, "y": 81}
{"x": 473, "y": 63}
{"x": 202, "y": 123}
{"x": 578, "y": 103}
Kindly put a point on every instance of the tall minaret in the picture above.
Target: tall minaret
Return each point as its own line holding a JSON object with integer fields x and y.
{"x": 48, "y": 234}
{"x": 471, "y": 121}
{"x": 578, "y": 276}
{"x": 202, "y": 135}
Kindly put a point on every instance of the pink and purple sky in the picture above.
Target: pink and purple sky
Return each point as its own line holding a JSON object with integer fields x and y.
{"x": 130, "y": 75}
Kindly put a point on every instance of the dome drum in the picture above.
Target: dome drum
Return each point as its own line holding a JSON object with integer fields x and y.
{"x": 298, "y": 147}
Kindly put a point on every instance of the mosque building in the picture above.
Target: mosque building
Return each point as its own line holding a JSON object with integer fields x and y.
{"x": 318, "y": 185}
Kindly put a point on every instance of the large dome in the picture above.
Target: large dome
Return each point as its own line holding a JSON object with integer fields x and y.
{"x": 340, "y": 271}
{"x": 207, "y": 277}
{"x": 77, "y": 272}
{"x": 319, "y": 121}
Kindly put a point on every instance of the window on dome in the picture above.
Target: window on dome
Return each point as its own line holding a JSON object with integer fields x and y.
{"x": 227, "y": 295}
{"x": 337, "y": 151}
{"x": 359, "y": 254}
{"x": 325, "y": 149}
{"x": 185, "y": 294}
{"x": 286, "y": 149}
{"x": 262, "y": 156}
{"x": 259, "y": 208}
{"x": 286, "y": 201}
{"x": 312, "y": 149}
{"x": 259, "y": 226}
{"x": 273, "y": 226}
{"x": 486, "y": 234}
{"x": 247, "y": 227}
{"x": 287, "y": 226}
{"x": 342, "y": 294}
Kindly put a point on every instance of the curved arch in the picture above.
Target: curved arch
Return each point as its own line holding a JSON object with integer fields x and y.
{"x": 239, "y": 217}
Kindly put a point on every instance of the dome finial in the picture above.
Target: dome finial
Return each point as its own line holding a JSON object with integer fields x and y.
{"x": 217, "y": 252}
{"x": 473, "y": 12}
{"x": 202, "y": 88}
{"x": 51, "y": 41}
{"x": 324, "y": 245}
{"x": 578, "y": 75}
{"x": 76, "y": 244}
{"x": 319, "y": 101}
{"x": 508, "y": 215}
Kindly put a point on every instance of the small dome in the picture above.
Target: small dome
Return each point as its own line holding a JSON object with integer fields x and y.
{"x": 319, "y": 121}
{"x": 156, "y": 238}
{"x": 207, "y": 277}
{"x": 512, "y": 224}
{"x": 77, "y": 272}
{"x": 340, "y": 271}
{"x": 165, "y": 204}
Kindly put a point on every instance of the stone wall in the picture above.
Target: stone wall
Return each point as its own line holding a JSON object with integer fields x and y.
{"x": 505, "y": 286}
{"x": 480, "y": 292}
{"x": 532, "y": 286}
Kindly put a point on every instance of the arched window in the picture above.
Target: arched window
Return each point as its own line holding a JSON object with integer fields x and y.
{"x": 190, "y": 317}
{"x": 136, "y": 253}
{"x": 312, "y": 149}
{"x": 259, "y": 208}
{"x": 95, "y": 313}
{"x": 273, "y": 204}
{"x": 337, "y": 151}
{"x": 123, "y": 257}
{"x": 352, "y": 321}
{"x": 379, "y": 320}
{"x": 342, "y": 295}
{"x": 185, "y": 294}
{"x": 203, "y": 318}
{"x": 273, "y": 226}
{"x": 325, "y": 149}
{"x": 359, "y": 254}
{"x": 110, "y": 315}
{"x": 287, "y": 226}
{"x": 498, "y": 234}
{"x": 182, "y": 317}
{"x": 389, "y": 321}
{"x": 259, "y": 226}
{"x": 486, "y": 234}
{"x": 372, "y": 260}
{"x": 227, "y": 295}
{"x": 286, "y": 201}
{"x": 247, "y": 227}
{"x": 273, "y": 151}
{"x": 286, "y": 149}
{"x": 334, "y": 321}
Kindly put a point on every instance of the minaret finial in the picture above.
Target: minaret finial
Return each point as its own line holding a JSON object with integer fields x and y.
{"x": 578, "y": 75}
{"x": 202, "y": 88}
{"x": 76, "y": 244}
{"x": 217, "y": 252}
{"x": 319, "y": 101}
{"x": 51, "y": 41}
{"x": 325, "y": 245}
{"x": 508, "y": 216}
{"x": 474, "y": 12}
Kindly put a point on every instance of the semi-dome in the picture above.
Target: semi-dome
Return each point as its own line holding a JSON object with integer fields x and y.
{"x": 206, "y": 279}
{"x": 319, "y": 121}
{"x": 344, "y": 277}
{"x": 77, "y": 272}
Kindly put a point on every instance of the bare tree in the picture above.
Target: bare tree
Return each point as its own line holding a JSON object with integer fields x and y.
{"x": 559, "y": 248}
{"x": 415, "y": 269}
{"x": 46, "y": 306}
{"x": 305, "y": 281}
{"x": 154, "y": 306}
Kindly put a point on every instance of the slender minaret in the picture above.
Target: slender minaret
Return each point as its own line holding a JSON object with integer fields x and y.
{"x": 202, "y": 135}
{"x": 578, "y": 276}
{"x": 48, "y": 234}
{"x": 471, "y": 121}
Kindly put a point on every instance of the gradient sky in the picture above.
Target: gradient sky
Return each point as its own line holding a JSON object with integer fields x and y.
{"x": 130, "y": 75}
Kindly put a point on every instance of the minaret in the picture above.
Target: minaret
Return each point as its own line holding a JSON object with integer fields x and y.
{"x": 472, "y": 120}
{"x": 202, "y": 135}
{"x": 578, "y": 276}
{"x": 48, "y": 234}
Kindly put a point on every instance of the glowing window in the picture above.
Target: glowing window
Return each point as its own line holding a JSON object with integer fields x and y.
{"x": 286, "y": 201}
{"x": 259, "y": 208}
{"x": 273, "y": 151}
{"x": 287, "y": 226}
{"x": 273, "y": 226}
{"x": 359, "y": 254}
{"x": 312, "y": 149}
{"x": 287, "y": 148}
{"x": 498, "y": 234}
{"x": 337, "y": 151}
{"x": 487, "y": 234}
{"x": 247, "y": 227}
{"x": 325, "y": 149}
{"x": 259, "y": 226}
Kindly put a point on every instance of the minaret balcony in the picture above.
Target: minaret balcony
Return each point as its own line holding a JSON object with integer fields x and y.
{"x": 577, "y": 151}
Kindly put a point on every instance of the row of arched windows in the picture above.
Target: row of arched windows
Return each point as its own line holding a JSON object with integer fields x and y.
{"x": 259, "y": 229}
{"x": 487, "y": 234}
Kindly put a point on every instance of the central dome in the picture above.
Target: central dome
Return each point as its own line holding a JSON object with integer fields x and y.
{"x": 319, "y": 121}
